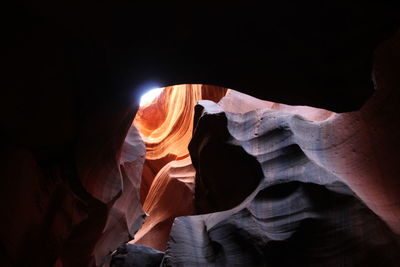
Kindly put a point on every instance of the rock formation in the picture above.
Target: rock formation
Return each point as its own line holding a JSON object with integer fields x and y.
{"x": 129, "y": 255}
{"x": 171, "y": 195}
{"x": 71, "y": 160}
{"x": 73, "y": 227}
{"x": 299, "y": 204}
{"x": 275, "y": 180}
{"x": 122, "y": 222}
{"x": 167, "y": 188}
{"x": 166, "y": 126}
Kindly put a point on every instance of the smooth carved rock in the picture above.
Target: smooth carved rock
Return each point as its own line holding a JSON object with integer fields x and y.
{"x": 166, "y": 126}
{"x": 306, "y": 209}
{"x": 125, "y": 215}
{"x": 107, "y": 225}
{"x": 67, "y": 75}
{"x": 149, "y": 172}
{"x": 170, "y": 196}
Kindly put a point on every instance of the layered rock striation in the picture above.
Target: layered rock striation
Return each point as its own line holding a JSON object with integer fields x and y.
{"x": 74, "y": 73}
{"x": 298, "y": 199}
{"x": 281, "y": 185}
{"x": 170, "y": 196}
{"x": 166, "y": 126}
{"x": 167, "y": 187}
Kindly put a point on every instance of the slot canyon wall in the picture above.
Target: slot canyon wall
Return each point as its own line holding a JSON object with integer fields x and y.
{"x": 273, "y": 180}
{"x": 230, "y": 177}
{"x": 167, "y": 185}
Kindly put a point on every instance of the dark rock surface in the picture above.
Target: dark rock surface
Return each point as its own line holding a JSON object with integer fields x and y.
{"x": 129, "y": 255}
{"x": 125, "y": 214}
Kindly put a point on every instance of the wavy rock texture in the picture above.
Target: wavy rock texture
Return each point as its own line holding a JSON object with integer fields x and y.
{"x": 116, "y": 214}
{"x": 125, "y": 213}
{"x": 166, "y": 123}
{"x": 317, "y": 192}
{"x": 75, "y": 70}
{"x": 166, "y": 126}
{"x": 73, "y": 227}
{"x": 170, "y": 196}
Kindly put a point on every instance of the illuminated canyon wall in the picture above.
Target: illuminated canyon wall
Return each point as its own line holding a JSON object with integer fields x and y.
{"x": 275, "y": 185}
{"x": 204, "y": 175}
{"x": 167, "y": 187}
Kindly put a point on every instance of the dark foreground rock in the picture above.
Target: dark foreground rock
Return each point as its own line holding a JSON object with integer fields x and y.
{"x": 129, "y": 255}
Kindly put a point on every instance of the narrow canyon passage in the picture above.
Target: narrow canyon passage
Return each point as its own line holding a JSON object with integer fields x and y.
{"x": 272, "y": 138}
{"x": 233, "y": 180}
{"x": 168, "y": 178}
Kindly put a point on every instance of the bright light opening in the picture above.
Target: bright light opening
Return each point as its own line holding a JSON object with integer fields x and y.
{"x": 148, "y": 97}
